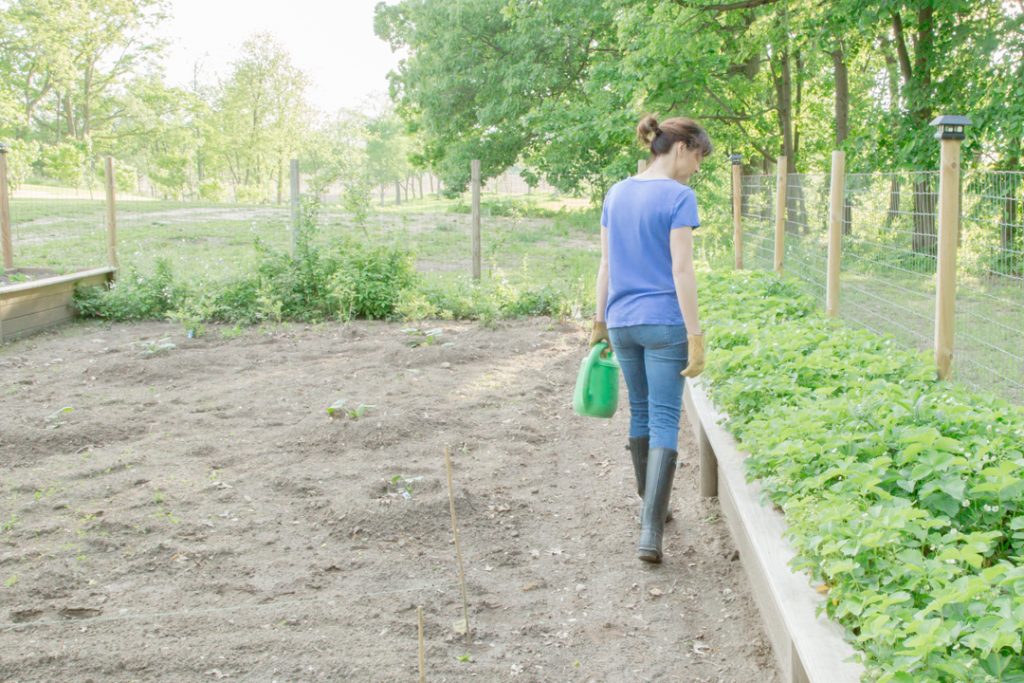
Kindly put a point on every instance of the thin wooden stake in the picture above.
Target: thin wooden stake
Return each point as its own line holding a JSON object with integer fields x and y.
{"x": 296, "y": 205}
{"x": 945, "y": 289}
{"x": 5, "y": 213}
{"x": 737, "y": 210}
{"x": 782, "y": 175}
{"x": 111, "y": 213}
{"x": 458, "y": 547}
{"x": 423, "y": 648}
{"x": 835, "y": 233}
{"x": 474, "y": 167}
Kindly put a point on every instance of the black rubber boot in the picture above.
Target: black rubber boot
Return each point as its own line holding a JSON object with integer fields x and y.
{"x": 638, "y": 448}
{"x": 661, "y": 469}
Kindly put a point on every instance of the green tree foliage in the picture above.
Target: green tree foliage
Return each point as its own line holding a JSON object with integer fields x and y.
{"x": 559, "y": 84}
{"x": 262, "y": 117}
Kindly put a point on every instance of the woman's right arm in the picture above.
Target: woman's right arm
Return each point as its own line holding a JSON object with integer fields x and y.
{"x": 602, "y": 278}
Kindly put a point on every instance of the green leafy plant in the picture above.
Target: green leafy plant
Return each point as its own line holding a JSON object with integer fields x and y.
{"x": 904, "y": 496}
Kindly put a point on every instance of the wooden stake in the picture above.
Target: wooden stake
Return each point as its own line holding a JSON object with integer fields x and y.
{"x": 475, "y": 179}
{"x": 781, "y": 176}
{"x": 5, "y": 213}
{"x": 111, "y": 214}
{"x": 737, "y": 210}
{"x": 294, "y": 168}
{"x": 835, "y": 233}
{"x": 458, "y": 547}
{"x": 945, "y": 290}
{"x": 641, "y": 166}
{"x": 423, "y": 648}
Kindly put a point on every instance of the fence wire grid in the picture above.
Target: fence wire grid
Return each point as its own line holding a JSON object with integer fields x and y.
{"x": 888, "y": 260}
{"x": 527, "y": 242}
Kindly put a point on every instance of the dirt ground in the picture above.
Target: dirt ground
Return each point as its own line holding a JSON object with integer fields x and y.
{"x": 186, "y": 510}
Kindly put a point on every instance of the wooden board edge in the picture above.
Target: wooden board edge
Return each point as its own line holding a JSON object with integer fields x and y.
{"x": 818, "y": 653}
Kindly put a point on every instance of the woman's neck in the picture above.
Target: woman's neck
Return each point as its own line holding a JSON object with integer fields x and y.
{"x": 661, "y": 167}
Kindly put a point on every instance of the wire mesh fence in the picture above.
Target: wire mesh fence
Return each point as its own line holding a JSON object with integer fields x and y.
{"x": 888, "y": 262}
{"x": 58, "y": 229}
{"x": 758, "y": 210}
{"x": 990, "y": 291}
{"x": 887, "y": 281}
{"x": 805, "y": 243}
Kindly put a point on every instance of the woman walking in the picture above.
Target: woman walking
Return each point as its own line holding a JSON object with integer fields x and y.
{"x": 647, "y": 305}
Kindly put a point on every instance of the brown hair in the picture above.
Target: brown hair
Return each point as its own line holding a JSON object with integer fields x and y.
{"x": 660, "y": 137}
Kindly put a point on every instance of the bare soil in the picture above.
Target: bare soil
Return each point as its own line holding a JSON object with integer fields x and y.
{"x": 177, "y": 509}
{"x": 16, "y": 276}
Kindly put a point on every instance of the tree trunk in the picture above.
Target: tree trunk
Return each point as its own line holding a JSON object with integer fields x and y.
{"x": 280, "y": 181}
{"x": 1009, "y": 228}
{"x": 69, "y": 117}
{"x": 1010, "y": 237}
{"x": 398, "y": 193}
{"x": 784, "y": 100}
{"x": 421, "y": 185}
{"x": 894, "y": 202}
{"x": 842, "y": 97}
{"x": 924, "y": 239}
{"x": 917, "y": 82}
{"x": 797, "y": 103}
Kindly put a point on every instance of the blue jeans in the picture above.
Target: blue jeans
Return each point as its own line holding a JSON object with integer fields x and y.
{"x": 651, "y": 358}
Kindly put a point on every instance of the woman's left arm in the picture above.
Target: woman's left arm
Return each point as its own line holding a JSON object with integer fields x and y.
{"x": 681, "y": 245}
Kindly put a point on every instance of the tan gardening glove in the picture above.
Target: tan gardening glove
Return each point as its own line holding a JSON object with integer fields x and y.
{"x": 600, "y": 334}
{"x": 695, "y": 346}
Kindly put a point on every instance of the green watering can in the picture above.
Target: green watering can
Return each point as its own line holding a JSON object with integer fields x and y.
{"x": 597, "y": 384}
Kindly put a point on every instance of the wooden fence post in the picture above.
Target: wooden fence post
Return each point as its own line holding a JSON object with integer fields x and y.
{"x": 474, "y": 167}
{"x": 737, "y": 209}
{"x": 780, "y": 211}
{"x": 835, "y": 232}
{"x": 950, "y": 133}
{"x": 111, "y": 214}
{"x": 5, "y": 212}
{"x": 641, "y": 166}
{"x": 295, "y": 204}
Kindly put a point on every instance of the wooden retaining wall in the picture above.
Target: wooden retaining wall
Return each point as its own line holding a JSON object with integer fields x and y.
{"x": 28, "y": 307}
{"x": 808, "y": 648}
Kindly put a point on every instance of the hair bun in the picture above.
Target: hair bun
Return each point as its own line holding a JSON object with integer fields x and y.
{"x": 647, "y": 130}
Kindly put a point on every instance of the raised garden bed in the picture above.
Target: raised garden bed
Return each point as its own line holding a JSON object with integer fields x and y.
{"x": 808, "y": 648}
{"x": 27, "y": 307}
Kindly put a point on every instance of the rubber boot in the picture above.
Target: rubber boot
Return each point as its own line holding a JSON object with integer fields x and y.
{"x": 638, "y": 447}
{"x": 661, "y": 469}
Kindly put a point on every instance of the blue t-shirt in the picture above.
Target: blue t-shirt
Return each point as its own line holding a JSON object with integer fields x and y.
{"x": 639, "y": 215}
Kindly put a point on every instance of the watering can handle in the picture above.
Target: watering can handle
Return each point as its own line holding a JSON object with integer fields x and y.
{"x": 597, "y": 351}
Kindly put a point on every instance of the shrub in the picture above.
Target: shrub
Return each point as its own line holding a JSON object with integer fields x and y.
{"x": 370, "y": 280}
{"x": 347, "y": 280}
{"x": 133, "y": 296}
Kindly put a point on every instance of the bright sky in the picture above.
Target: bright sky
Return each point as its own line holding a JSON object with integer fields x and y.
{"x": 333, "y": 42}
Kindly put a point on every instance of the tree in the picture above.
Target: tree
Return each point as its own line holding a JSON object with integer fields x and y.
{"x": 479, "y": 69}
{"x": 262, "y": 115}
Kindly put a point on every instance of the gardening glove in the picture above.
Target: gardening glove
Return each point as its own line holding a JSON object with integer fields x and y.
{"x": 695, "y": 346}
{"x": 600, "y": 334}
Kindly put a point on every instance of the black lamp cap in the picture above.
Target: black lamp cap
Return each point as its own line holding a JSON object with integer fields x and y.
{"x": 3, "y": 148}
{"x": 950, "y": 127}
{"x": 737, "y": 159}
